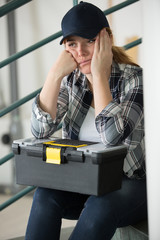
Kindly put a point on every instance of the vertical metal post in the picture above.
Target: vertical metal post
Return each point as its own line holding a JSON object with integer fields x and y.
{"x": 16, "y": 129}
{"x": 150, "y": 54}
{"x": 12, "y": 50}
{"x": 75, "y": 2}
{"x": 15, "y": 125}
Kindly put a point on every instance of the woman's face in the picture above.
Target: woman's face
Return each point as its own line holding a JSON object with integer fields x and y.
{"x": 82, "y": 50}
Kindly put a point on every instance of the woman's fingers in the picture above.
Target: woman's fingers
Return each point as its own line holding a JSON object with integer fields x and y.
{"x": 105, "y": 40}
{"x": 65, "y": 63}
{"x": 97, "y": 45}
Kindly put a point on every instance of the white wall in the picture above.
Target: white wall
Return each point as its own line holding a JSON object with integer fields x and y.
{"x": 151, "y": 54}
{"x": 126, "y": 22}
{"x": 35, "y": 21}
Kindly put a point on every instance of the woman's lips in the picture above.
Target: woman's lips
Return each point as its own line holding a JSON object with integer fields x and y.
{"x": 84, "y": 62}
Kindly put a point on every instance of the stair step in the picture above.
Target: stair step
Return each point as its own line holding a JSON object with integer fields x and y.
{"x": 136, "y": 232}
{"x": 17, "y": 238}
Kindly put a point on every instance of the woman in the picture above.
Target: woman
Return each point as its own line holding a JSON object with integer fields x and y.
{"x": 95, "y": 86}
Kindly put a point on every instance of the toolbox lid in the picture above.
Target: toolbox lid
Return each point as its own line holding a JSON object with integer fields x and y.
{"x": 57, "y": 151}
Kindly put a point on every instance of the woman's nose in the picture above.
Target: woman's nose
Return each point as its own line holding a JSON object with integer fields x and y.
{"x": 81, "y": 50}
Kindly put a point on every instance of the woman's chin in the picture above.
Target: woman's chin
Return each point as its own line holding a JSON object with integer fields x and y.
{"x": 85, "y": 69}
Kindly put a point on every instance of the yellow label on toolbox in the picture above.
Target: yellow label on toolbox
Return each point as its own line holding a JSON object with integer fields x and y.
{"x": 53, "y": 155}
{"x": 53, "y": 143}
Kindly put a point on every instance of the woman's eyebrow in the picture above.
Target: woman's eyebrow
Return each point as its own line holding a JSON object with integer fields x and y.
{"x": 70, "y": 39}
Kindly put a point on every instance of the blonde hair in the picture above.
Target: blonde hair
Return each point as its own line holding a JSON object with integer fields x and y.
{"x": 119, "y": 54}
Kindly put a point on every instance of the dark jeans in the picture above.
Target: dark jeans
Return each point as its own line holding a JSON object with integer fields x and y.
{"x": 98, "y": 217}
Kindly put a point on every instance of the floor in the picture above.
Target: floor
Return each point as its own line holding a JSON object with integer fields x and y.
{"x": 13, "y": 219}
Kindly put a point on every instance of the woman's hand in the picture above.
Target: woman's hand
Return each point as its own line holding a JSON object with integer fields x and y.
{"x": 102, "y": 56}
{"x": 64, "y": 65}
{"x": 100, "y": 71}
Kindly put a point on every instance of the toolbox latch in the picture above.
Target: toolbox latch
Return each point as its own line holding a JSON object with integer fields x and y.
{"x": 60, "y": 155}
{"x": 53, "y": 155}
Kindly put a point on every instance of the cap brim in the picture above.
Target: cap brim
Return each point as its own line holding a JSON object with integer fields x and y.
{"x": 84, "y": 34}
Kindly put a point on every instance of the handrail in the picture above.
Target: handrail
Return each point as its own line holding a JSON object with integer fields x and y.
{"x": 19, "y": 103}
{"x": 8, "y": 7}
{"x": 30, "y": 49}
{"x": 119, "y": 6}
{"x": 132, "y": 44}
{"x": 6, "y": 158}
{"x": 56, "y": 35}
{"x": 16, "y": 197}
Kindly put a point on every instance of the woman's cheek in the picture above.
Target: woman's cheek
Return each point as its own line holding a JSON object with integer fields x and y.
{"x": 73, "y": 53}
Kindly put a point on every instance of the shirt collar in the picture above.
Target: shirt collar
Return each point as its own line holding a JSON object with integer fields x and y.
{"x": 81, "y": 79}
{"x": 115, "y": 67}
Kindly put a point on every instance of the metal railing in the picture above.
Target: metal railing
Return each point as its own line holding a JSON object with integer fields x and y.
{"x": 14, "y": 4}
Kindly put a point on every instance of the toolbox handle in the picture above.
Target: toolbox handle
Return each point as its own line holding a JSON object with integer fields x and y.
{"x": 38, "y": 152}
{"x": 74, "y": 156}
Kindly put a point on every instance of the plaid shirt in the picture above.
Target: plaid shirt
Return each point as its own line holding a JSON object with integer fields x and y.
{"x": 120, "y": 122}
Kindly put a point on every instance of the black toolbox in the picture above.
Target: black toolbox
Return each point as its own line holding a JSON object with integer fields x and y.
{"x": 70, "y": 165}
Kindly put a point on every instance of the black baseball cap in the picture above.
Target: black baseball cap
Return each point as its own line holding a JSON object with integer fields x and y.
{"x": 83, "y": 20}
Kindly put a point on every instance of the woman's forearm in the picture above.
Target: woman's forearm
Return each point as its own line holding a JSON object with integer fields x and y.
{"x": 102, "y": 93}
{"x": 49, "y": 94}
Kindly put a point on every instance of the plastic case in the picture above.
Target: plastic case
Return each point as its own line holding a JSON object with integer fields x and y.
{"x": 70, "y": 165}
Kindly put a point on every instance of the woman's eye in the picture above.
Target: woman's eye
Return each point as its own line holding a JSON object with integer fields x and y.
{"x": 92, "y": 40}
{"x": 71, "y": 44}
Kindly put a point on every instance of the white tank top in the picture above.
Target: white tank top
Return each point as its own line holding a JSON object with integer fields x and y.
{"x": 88, "y": 131}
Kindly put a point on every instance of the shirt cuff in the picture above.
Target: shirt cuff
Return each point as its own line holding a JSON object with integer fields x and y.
{"x": 112, "y": 109}
{"x": 40, "y": 114}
